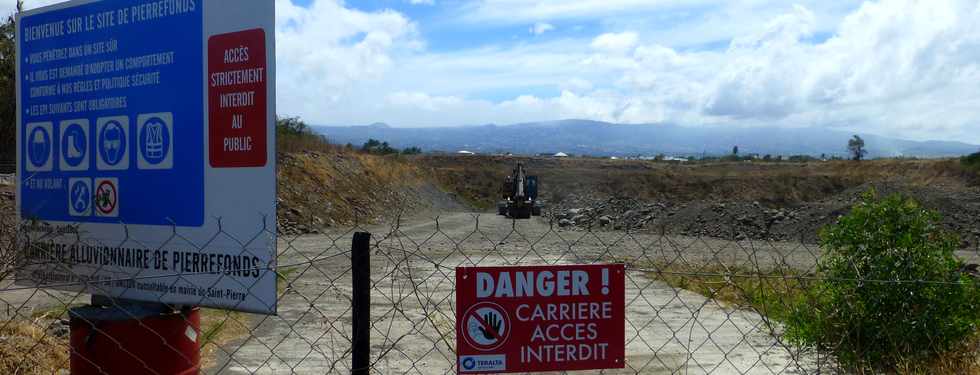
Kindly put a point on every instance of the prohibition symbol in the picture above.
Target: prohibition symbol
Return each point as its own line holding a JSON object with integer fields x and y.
{"x": 486, "y": 327}
{"x": 106, "y": 197}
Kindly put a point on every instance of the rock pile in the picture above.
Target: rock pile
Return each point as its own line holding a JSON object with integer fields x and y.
{"x": 754, "y": 220}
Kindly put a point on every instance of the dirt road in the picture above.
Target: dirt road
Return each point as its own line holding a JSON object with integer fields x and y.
{"x": 669, "y": 330}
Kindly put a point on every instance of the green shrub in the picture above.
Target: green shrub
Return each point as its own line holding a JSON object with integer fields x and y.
{"x": 412, "y": 151}
{"x": 375, "y": 146}
{"x": 971, "y": 161}
{"x": 8, "y": 105}
{"x": 890, "y": 292}
{"x": 293, "y": 135}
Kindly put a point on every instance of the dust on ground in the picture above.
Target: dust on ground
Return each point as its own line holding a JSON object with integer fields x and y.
{"x": 669, "y": 330}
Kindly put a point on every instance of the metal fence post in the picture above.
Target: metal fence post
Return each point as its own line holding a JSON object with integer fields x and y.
{"x": 361, "y": 303}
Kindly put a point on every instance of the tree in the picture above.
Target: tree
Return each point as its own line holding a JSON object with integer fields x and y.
{"x": 293, "y": 135}
{"x": 735, "y": 151}
{"x": 370, "y": 145}
{"x": 8, "y": 81}
{"x": 971, "y": 161}
{"x": 375, "y": 146}
{"x": 856, "y": 148}
{"x": 291, "y": 126}
{"x": 412, "y": 151}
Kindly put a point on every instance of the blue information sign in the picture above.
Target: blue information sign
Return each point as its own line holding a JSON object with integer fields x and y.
{"x": 117, "y": 156}
{"x": 102, "y": 102}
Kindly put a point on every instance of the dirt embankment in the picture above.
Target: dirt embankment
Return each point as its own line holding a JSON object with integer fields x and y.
{"x": 733, "y": 200}
{"x": 327, "y": 189}
{"x": 478, "y": 178}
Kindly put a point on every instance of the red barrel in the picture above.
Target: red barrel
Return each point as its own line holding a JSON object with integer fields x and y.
{"x": 135, "y": 338}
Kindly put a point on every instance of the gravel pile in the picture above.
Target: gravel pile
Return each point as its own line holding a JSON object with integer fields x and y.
{"x": 737, "y": 220}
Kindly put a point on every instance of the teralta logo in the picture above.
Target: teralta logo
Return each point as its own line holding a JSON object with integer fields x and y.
{"x": 482, "y": 363}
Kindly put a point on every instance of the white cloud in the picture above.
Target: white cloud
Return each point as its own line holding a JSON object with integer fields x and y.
{"x": 326, "y": 51}
{"x": 899, "y": 67}
{"x": 616, "y": 42}
{"x": 518, "y": 11}
{"x": 888, "y": 60}
{"x": 541, "y": 28}
{"x": 422, "y": 2}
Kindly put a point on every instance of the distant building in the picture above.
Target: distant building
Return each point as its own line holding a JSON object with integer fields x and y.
{"x": 464, "y": 152}
{"x": 560, "y": 155}
{"x": 674, "y": 158}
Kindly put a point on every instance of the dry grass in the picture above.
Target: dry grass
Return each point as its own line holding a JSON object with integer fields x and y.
{"x": 770, "y": 292}
{"x": 964, "y": 360}
{"x": 307, "y": 142}
{"x": 25, "y": 348}
{"x": 477, "y": 178}
{"x": 773, "y": 292}
{"x": 344, "y": 187}
{"x": 8, "y": 237}
{"x": 220, "y": 328}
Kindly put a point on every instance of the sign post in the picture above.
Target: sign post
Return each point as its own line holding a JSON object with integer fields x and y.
{"x": 540, "y": 318}
{"x": 146, "y": 150}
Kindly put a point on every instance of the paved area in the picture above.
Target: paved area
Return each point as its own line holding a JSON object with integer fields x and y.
{"x": 669, "y": 330}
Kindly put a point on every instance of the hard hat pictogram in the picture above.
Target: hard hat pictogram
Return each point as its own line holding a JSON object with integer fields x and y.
{"x": 39, "y": 147}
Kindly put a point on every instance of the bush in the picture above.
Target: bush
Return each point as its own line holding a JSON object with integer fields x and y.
{"x": 8, "y": 105}
{"x": 890, "y": 291}
{"x": 971, "y": 162}
{"x": 412, "y": 151}
{"x": 377, "y": 147}
{"x": 293, "y": 135}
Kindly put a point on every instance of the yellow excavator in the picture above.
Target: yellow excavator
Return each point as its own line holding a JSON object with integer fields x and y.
{"x": 519, "y": 195}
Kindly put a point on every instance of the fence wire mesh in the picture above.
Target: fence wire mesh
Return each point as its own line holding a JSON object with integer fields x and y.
{"x": 695, "y": 305}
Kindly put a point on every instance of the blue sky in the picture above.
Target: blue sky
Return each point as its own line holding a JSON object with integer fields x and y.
{"x": 899, "y": 67}
{"x": 908, "y": 68}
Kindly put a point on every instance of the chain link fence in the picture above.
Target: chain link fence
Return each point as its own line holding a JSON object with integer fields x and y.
{"x": 695, "y": 305}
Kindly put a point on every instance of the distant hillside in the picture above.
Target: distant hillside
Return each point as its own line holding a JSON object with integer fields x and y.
{"x": 606, "y": 139}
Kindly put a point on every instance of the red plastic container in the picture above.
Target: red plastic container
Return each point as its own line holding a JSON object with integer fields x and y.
{"x": 135, "y": 338}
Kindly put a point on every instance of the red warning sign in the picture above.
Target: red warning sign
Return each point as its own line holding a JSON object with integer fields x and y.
{"x": 237, "y": 95}
{"x": 540, "y": 318}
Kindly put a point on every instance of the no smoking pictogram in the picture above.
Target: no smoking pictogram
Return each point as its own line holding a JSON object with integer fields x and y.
{"x": 487, "y": 326}
{"x": 106, "y": 197}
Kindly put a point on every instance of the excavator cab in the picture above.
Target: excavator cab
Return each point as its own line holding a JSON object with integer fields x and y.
{"x": 520, "y": 195}
{"x": 532, "y": 187}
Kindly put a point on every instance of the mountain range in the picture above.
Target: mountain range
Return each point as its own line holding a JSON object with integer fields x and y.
{"x": 595, "y": 138}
